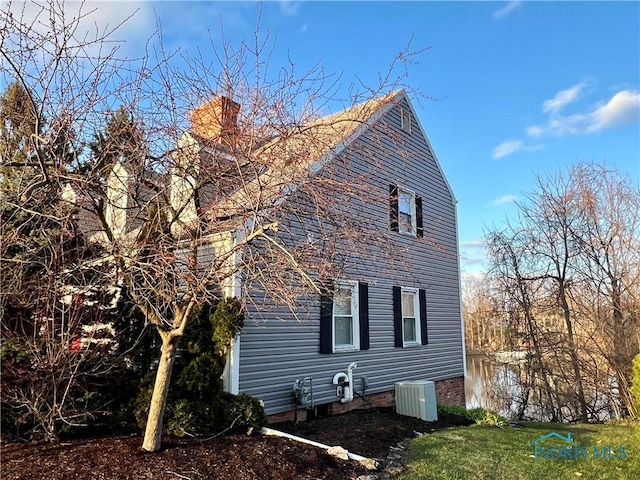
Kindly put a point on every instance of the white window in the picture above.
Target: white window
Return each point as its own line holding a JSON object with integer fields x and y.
{"x": 405, "y": 120}
{"x": 346, "y": 335}
{"x": 406, "y": 212}
{"x": 410, "y": 317}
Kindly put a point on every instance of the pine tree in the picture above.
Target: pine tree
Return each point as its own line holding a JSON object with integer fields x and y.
{"x": 24, "y": 227}
{"x": 44, "y": 296}
{"x": 120, "y": 141}
{"x": 19, "y": 122}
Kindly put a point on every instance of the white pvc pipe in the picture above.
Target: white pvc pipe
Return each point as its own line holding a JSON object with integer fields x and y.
{"x": 342, "y": 378}
{"x": 348, "y": 394}
{"x": 278, "y": 433}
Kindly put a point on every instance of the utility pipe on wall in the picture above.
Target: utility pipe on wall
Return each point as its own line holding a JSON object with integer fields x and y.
{"x": 345, "y": 380}
{"x": 349, "y": 389}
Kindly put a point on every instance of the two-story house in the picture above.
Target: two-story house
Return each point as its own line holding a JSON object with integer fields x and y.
{"x": 364, "y": 211}
{"x": 393, "y": 312}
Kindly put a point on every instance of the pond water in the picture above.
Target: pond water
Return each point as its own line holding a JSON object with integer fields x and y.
{"x": 499, "y": 387}
{"x": 492, "y": 386}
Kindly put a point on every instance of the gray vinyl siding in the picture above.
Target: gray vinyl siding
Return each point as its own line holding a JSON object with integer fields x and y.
{"x": 277, "y": 348}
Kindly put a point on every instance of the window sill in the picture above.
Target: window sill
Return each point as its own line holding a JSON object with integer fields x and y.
{"x": 411, "y": 345}
{"x": 345, "y": 349}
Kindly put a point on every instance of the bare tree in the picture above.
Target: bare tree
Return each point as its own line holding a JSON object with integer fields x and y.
{"x": 608, "y": 235}
{"x": 572, "y": 256}
{"x": 482, "y": 314}
{"x": 550, "y": 213}
{"x": 510, "y": 256}
{"x": 185, "y": 216}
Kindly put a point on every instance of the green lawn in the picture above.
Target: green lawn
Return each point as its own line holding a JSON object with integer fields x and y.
{"x": 480, "y": 452}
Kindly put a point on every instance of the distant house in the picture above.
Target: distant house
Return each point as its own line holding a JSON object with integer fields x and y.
{"x": 392, "y": 315}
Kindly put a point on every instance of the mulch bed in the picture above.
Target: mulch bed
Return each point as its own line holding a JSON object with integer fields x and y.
{"x": 369, "y": 433}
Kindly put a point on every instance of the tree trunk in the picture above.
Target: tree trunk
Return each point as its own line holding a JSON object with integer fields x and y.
{"x": 625, "y": 347}
{"x": 153, "y": 431}
{"x": 573, "y": 353}
{"x": 538, "y": 364}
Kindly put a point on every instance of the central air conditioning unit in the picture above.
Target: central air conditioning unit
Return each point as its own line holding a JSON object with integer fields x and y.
{"x": 417, "y": 399}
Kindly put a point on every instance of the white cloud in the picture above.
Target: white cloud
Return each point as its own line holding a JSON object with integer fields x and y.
{"x": 513, "y": 146}
{"x": 472, "y": 244}
{"x": 133, "y": 21}
{"x": 507, "y": 9}
{"x": 469, "y": 261}
{"x": 472, "y": 256}
{"x": 562, "y": 98}
{"x": 504, "y": 199}
{"x": 622, "y": 108}
{"x": 534, "y": 131}
{"x": 507, "y": 148}
{"x": 289, "y": 7}
{"x": 471, "y": 277}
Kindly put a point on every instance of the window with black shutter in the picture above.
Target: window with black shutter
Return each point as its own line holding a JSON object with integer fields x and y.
{"x": 405, "y": 211}
{"x": 409, "y": 317}
{"x": 344, "y": 317}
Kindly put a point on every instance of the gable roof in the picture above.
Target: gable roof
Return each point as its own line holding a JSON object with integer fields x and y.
{"x": 292, "y": 158}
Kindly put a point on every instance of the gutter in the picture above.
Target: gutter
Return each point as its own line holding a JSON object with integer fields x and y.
{"x": 368, "y": 463}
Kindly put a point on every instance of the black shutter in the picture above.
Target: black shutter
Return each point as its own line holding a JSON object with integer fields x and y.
{"x": 363, "y": 313}
{"x": 419, "y": 226}
{"x": 393, "y": 208}
{"x": 397, "y": 317}
{"x": 326, "y": 317}
{"x": 422, "y": 297}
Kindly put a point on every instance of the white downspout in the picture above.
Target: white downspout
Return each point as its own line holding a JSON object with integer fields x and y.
{"x": 232, "y": 368}
{"x": 234, "y": 289}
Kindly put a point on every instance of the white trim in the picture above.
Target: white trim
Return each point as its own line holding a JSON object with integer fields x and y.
{"x": 118, "y": 195}
{"x": 232, "y": 368}
{"x": 234, "y": 289}
{"x": 464, "y": 341}
{"x": 355, "y": 318}
{"x": 416, "y": 313}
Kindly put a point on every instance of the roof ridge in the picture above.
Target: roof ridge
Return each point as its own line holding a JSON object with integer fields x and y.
{"x": 374, "y": 102}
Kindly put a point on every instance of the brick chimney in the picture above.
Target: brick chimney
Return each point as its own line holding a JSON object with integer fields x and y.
{"x": 217, "y": 120}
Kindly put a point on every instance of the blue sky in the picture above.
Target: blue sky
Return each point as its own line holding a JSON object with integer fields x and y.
{"x": 522, "y": 88}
